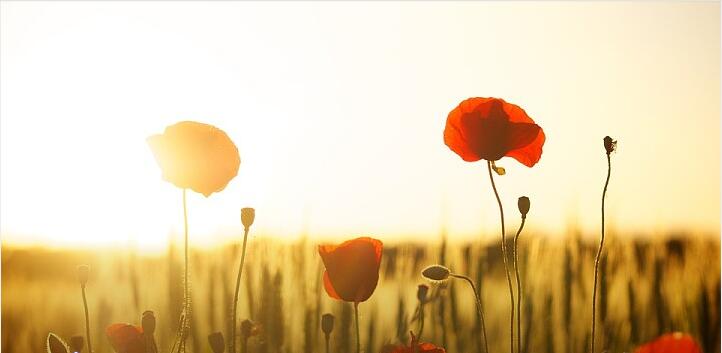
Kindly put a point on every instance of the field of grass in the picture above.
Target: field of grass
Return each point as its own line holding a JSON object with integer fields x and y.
{"x": 647, "y": 288}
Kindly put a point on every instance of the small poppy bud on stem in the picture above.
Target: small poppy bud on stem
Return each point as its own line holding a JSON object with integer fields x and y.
{"x": 327, "y": 323}
{"x": 76, "y": 344}
{"x": 422, "y": 293}
{"x": 217, "y": 343}
{"x": 436, "y": 273}
{"x": 83, "y": 274}
{"x": 148, "y": 322}
{"x": 609, "y": 144}
{"x": 524, "y": 205}
{"x": 248, "y": 215}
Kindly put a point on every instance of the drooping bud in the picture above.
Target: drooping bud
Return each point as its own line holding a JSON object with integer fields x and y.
{"x": 76, "y": 344}
{"x": 524, "y": 205}
{"x": 327, "y": 323}
{"x": 217, "y": 343}
{"x": 609, "y": 144}
{"x": 148, "y": 322}
{"x": 247, "y": 216}
{"x": 83, "y": 274}
{"x": 248, "y": 328}
{"x": 436, "y": 273}
{"x": 422, "y": 293}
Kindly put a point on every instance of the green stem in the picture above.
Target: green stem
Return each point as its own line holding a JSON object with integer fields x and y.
{"x": 421, "y": 320}
{"x": 518, "y": 284}
{"x": 186, "y": 297}
{"x": 238, "y": 287}
{"x": 599, "y": 253}
{"x": 328, "y": 338}
{"x": 87, "y": 319}
{"x": 358, "y": 331}
{"x": 504, "y": 256}
{"x": 479, "y": 310}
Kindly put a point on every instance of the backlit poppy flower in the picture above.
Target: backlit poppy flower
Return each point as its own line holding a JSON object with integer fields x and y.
{"x": 196, "y": 156}
{"x": 671, "y": 343}
{"x": 352, "y": 268}
{"x": 126, "y": 338}
{"x": 414, "y": 347}
{"x": 490, "y": 128}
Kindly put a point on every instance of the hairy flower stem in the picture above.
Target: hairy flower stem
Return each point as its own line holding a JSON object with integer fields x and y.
{"x": 238, "y": 287}
{"x": 518, "y": 284}
{"x": 358, "y": 331}
{"x": 479, "y": 310}
{"x": 87, "y": 320}
{"x": 186, "y": 297}
{"x": 599, "y": 253}
{"x": 504, "y": 256}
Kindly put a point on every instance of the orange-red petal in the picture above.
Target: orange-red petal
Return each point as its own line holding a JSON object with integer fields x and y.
{"x": 352, "y": 268}
{"x": 671, "y": 343}
{"x": 126, "y": 338}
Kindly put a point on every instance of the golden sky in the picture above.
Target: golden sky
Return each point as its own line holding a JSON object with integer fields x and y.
{"x": 338, "y": 110}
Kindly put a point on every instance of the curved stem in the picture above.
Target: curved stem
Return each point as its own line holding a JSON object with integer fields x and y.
{"x": 479, "y": 310}
{"x": 238, "y": 287}
{"x": 358, "y": 331}
{"x": 87, "y": 320}
{"x": 599, "y": 254}
{"x": 504, "y": 256}
{"x": 518, "y": 285}
{"x": 421, "y": 320}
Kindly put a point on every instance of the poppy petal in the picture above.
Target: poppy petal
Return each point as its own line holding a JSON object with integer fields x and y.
{"x": 125, "y": 338}
{"x": 530, "y": 154}
{"x": 329, "y": 286}
{"x": 671, "y": 343}
{"x": 352, "y": 268}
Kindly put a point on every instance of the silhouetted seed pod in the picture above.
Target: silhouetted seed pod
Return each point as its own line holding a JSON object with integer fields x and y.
{"x": 436, "y": 273}
{"x": 422, "y": 293}
{"x": 217, "y": 343}
{"x": 327, "y": 323}
{"x": 148, "y": 322}
{"x": 76, "y": 344}
{"x": 56, "y": 344}
{"x": 248, "y": 215}
{"x": 83, "y": 274}
{"x": 248, "y": 328}
{"x": 524, "y": 205}
{"x": 609, "y": 144}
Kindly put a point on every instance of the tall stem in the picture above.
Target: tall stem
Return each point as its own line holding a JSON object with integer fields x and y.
{"x": 421, "y": 320}
{"x": 186, "y": 297}
{"x": 479, "y": 310}
{"x": 238, "y": 287}
{"x": 87, "y": 319}
{"x": 599, "y": 254}
{"x": 504, "y": 256}
{"x": 358, "y": 331}
{"x": 518, "y": 285}
{"x": 328, "y": 338}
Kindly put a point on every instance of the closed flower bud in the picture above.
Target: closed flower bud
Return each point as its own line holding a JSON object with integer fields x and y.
{"x": 215, "y": 339}
{"x": 83, "y": 273}
{"x": 327, "y": 323}
{"x": 247, "y": 216}
{"x": 436, "y": 273}
{"x": 524, "y": 205}
{"x": 76, "y": 344}
{"x": 148, "y": 322}
{"x": 248, "y": 328}
{"x": 422, "y": 293}
{"x": 609, "y": 144}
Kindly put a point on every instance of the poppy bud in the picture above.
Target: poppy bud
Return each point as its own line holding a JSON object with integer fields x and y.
{"x": 327, "y": 323}
{"x": 436, "y": 273}
{"x": 609, "y": 144}
{"x": 76, "y": 344}
{"x": 422, "y": 292}
{"x": 83, "y": 273}
{"x": 148, "y": 322}
{"x": 215, "y": 339}
{"x": 247, "y": 216}
{"x": 524, "y": 205}
{"x": 248, "y": 328}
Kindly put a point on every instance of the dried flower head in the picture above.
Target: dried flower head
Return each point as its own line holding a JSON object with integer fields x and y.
{"x": 436, "y": 273}
{"x": 609, "y": 144}
{"x": 248, "y": 328}
{"x": 76, "y": 344}
{"x": 422, "y": 293}
{"x": 83, "y": 273}
{"x": 327, "y": 323}
{"x": 218, "y": 345}
{"x": 55, "y": 344}
{"x": 148, "y": 322}
{"x": 524, "y": 205}
{"x": 248, "y": 215}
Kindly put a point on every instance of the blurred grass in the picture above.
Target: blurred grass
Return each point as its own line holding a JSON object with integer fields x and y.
{"x": 648, "y": 287}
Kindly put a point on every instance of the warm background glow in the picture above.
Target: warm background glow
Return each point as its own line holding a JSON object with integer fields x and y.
{"x": 338, "y": 111}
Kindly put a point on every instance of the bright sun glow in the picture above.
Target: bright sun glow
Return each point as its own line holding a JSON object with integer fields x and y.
{"x": 339, "y": 122}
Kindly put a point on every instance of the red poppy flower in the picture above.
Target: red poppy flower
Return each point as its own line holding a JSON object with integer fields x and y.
{"x": 196, "y": 156}
{"x": 126, "y": 338}
{"x": 671, "y": 343}
{"x": 352, "y": 268}
{"x": 414, "y": 347}
{"x": 490, "y": 128}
